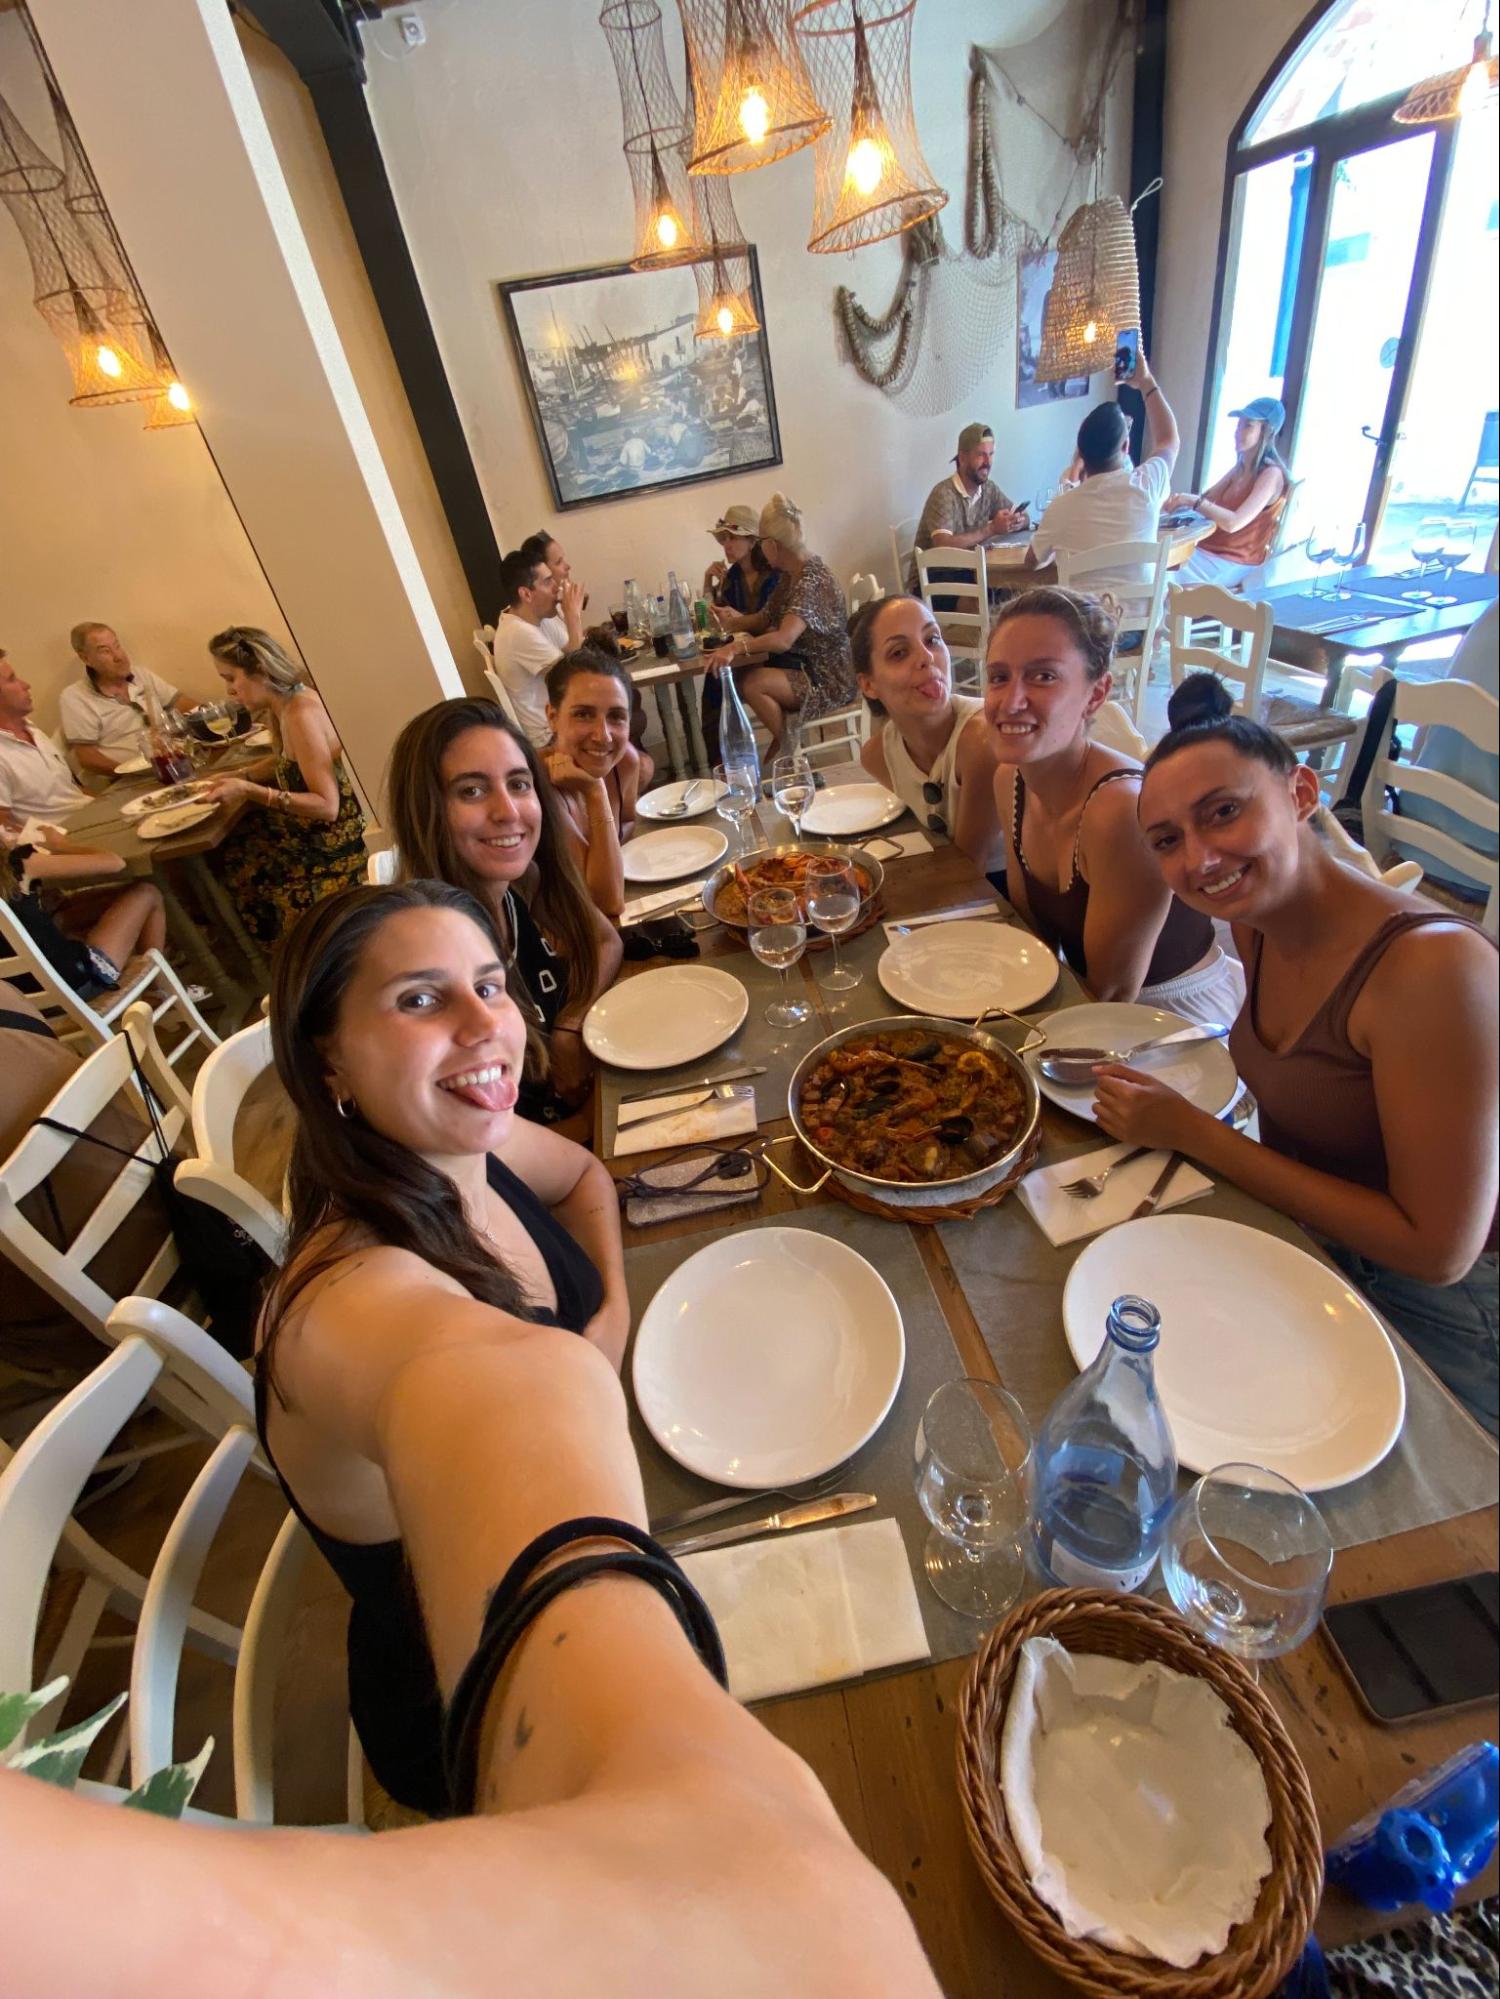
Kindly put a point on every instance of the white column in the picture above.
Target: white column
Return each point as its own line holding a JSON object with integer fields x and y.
{"x": 169, "y": 118}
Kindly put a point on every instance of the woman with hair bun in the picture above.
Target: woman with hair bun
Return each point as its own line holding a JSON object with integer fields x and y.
{"x": 801, "y": 666}
{"x": 1367, "y": 1037}
{"x": 1077, "y": 868}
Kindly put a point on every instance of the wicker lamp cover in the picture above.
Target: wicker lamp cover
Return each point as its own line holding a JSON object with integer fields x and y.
{"x": 656, "y": 131}
{"x": 726, "y": 299}
{"x": 755, "y": 102}
{"x": 1455, "y": 92}
{"x": 1095, "y": 293}
{"x": 870, "y": 179}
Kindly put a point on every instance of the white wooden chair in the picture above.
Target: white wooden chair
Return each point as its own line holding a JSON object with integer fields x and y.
{"x": 837, "y": 737}
{"x": 966, "y": 625}
{"x": 38, "y": 1491}
{"x": 1470, "y": 712}
{"x": 1113, "y": 728}
{"x": 1356, "y": 683}
{"x": 86, "y": 1023}
{"x": 380, "y": 868}
{"x": 212, "y": 1177}
{"x": 1138, "y": 606}
{"x": 864, "y": 590}
{"x": 1241, "y": 659}
{"x": 903, "y": 544}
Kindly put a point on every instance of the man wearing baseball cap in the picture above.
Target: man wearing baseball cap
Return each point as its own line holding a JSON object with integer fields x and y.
{"x": 966, "y": 509}
{"x": 1245, "y": 506}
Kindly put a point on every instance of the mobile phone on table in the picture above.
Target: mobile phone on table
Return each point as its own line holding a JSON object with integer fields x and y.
{"x": 1127, "y": 352}
{"x": 1421, "y": 1651}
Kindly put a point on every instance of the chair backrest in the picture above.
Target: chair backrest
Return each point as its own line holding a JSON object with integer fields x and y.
{"x": 962, "y": 583}
{"x": 1245, "y": 640}
{"x": 1287, "y": 507}
{"x": 863, "y": 590}
{"x": 1113, "y": 728}
{"x": 903, "y": 541}
{"x": 380, "y": 868}
{"x": 213, "y": 1177}
{"x": 502, "y": 694}
{"x": 69, "y": 1015}
{"x": 1140, "y": 602}
{"x": 1472, "y": 713}
{"x": 1339, "y": 759}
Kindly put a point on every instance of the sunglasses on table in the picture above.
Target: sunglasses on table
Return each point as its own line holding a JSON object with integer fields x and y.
{"x": 932, "y": 794}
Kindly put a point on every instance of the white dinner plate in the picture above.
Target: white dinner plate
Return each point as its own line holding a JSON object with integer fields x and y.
{"x": 662, "y": 803}
{"x": 133, "y": 767}
{"x": 958, "y": 969}
{"x": 1267, "y": 1356}
{"x": 667, "y": 856}
{"x": 662, "y": 1018}
{"x": 163, "y": 799}
{"x": 1204, "y": 1073}
{"x": 257, "y": 739}
{"x": 176, "y": 819}
{"x": 768, "y": 1358}
{"x": 851, "y": 808}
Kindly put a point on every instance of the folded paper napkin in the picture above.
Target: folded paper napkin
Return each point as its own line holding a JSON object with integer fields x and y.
{"x": 642, "y": 906}
{"x": 1064, "y": 1218}
{"x": 804, "y": 1609}
{"x": 967, "y": 912}
{"x": 695, "y": 1124}
{"x": 654, "y": 672}
{"x": 895, "y": 846}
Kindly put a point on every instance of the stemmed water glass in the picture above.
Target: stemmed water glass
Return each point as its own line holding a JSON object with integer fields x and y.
{"x": 973, "y": 1480}
{"x": 1245, "y": 1557}
{"x": 737, "y": 795}
{"x": 1426, "y": 549}
{"x": 1457, "y": 546}
{"x": 1349, "y": 546}
{"x": 1320, "y": 550}
{"x": 793, "y": 787}
{"x": 778, "y": 937}
{"x": 832, "y": 896}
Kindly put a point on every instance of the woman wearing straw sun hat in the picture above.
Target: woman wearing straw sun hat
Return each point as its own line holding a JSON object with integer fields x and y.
{"x": 738, "y": 587}
{"x": 1245, "y": 505}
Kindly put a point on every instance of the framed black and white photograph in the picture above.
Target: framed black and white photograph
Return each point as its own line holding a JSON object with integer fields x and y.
{"x": 624, "y": 397}
{"x": 1034, "y": 269}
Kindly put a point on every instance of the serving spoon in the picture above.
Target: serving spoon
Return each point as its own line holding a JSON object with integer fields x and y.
{"x": 1074, "y": 1068}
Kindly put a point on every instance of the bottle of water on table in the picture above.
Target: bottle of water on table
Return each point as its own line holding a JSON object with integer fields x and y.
{"x": 679, "y": 617}
{"x": 1105, "y": 1464}
{"x": 736, "y": 737}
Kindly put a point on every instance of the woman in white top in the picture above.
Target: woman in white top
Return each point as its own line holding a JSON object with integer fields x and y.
{"x": 932, "y": 747}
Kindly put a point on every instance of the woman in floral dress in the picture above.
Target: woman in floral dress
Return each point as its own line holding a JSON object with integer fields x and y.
{"x": 801, "y": 667}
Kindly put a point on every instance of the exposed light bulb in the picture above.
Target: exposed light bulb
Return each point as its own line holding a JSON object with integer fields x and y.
{"x": 109, "y": 362}
{"x": 724, "y": 320}
{"x": 667, "y": 230}
{"x": 1475, "y": 87}
{"x": 178, "y": 397}
{"x": 866, "y": 166}
{"x": 1091, "y": 332}
{"x": 755, "y": 115}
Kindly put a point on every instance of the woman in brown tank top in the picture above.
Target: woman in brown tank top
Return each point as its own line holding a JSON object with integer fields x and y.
{"x": 1245, "y": 505}
{"x": 1368, "y": 1037}
{"x": 1077, "y": 869}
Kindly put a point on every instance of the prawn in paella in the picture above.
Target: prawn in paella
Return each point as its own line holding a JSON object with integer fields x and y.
{"x": 909, "y": 1105}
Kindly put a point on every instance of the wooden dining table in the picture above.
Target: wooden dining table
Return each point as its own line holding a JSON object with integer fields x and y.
{"x": 884, "y": 1746}
{"x": 1374, "y": 616}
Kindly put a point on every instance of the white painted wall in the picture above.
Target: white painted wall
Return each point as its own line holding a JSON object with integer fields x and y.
{"x": 502, "y": 139}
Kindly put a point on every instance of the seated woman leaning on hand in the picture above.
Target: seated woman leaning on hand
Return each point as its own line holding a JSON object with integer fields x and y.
{"x": 596, "y": 770}
{"x": 931, "y": 746}
{"x": 807, "y": 626}
{"x": 472, "y": 805}
{"x": 401, "y": 1052}
{"x": 305, "y": 837}
{"x": 1368, "y": 1040}
{"x": 1077, "y": 868}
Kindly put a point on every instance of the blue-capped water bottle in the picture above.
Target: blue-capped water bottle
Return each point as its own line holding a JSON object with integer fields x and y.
{"x": 1105, "y": 1466}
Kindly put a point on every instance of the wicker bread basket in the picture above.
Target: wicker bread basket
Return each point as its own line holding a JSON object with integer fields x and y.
{"x": 1261, "y": 1951}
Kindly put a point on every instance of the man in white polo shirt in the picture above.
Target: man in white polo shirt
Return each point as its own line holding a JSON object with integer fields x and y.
{"x": 104, "y": 715}
{"x": 1114, "y": 500}
{"x": 35, "y": 782}
{"x": 531, "y": 636}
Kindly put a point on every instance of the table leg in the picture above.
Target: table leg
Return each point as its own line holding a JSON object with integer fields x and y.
{"x": 671, "y": 728}
{"x": 192, "y": 940}
{"x": 210, "y": 892}
{"x": 687, "y": 694}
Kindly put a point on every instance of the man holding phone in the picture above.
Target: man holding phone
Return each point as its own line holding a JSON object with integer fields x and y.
{"x": 1114, "y": 500}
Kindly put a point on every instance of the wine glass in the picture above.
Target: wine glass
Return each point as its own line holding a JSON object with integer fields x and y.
{"x": 973, "y": 1480}
{"x": 1245, "y": 1557}
{"x": 778, "y": 936}
{"x": 832, "y": 892}
{"x": 1426, "y": 548}
{"x": 1457, "y": 546}
{"x": 1349, "y": 546}
{"x": 736, "y": 800}
{"x": 792, "y": 787}
{"x": 1045, "y": 495}
{"x": 1320, "y": 549}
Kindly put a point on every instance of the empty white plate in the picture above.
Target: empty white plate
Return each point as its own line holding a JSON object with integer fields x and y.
{"x": 133, "y": 767}
{"x": 666, "y": 856}
{"x": 659, "y": 1019}
{"x": 958, "y": 969}
{"x": 699, "y": 794}
{"x": 176, "y": 819}
{"x": 1267, "y": 1357}
{"x": 768, "y": 1358}
{"x": 1204, "y": 1073}
{"x": 851, "y": 808}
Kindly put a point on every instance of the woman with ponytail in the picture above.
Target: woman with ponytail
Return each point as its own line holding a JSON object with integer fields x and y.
{"x": 1367, "y": 1038}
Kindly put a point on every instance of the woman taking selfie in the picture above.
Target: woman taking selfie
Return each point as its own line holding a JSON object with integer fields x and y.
{"x": 471, "y": 805}
{"x": 595, "y": 769}
{"x": 1368, "y": 1040}
{"x": 1077, "y": 868}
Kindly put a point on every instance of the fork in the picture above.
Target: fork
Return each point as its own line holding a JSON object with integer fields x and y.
{"x": 688, "y": 1516}
{"x": 721, "y": 1093}
{"x": 1092, "y": 1184}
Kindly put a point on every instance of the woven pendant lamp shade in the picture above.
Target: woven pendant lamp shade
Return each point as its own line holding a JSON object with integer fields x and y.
{"x": 1095, "y": 295}
{"x": 870, "y": 179}
{"x": 656, "y": 130}
{"x": 1456, "y": 91}
{"x": 726, "y": 299}
{"x": 755, "y": 101}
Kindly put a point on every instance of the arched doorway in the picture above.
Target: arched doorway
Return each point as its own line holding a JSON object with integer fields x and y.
{"x": 1359, "y": 281}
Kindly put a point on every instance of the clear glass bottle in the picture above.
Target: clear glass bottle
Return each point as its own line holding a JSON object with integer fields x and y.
{"x": 736, "y": 737}
{"x": 679, "y": 617}
{"x": 637, "y": 619}
{"x": 1105, "y": 1464}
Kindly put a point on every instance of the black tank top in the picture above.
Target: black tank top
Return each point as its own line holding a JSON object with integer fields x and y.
{"x": 394, "y": 1699}
{"x": 1060, "y": 913}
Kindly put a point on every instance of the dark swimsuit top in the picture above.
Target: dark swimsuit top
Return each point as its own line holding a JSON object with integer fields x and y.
{"x": 1059, "y": 914}
{"x": 394, "y": 1699}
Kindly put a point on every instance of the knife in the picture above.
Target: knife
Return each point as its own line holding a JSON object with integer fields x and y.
{"x": 1163, "y": 1180}
{"x": 777, "y": 1523}
{"x": 700, "y": 1083}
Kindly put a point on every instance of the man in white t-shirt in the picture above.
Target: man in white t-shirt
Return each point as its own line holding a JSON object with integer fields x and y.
{"x": 104, "y": 715}
{"x": 539, "y": 621}
{"x": 1114, "y": 500}
{"x": 35, "y": 782}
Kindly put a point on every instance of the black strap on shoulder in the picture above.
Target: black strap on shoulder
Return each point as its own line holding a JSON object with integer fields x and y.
{"x": 24, "y": 1023}
{"x": 518, "y": 1601}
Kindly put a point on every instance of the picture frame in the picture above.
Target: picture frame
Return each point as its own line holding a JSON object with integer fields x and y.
{"x": 624, "y": 399}
{"x": 1034, "y": 272}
